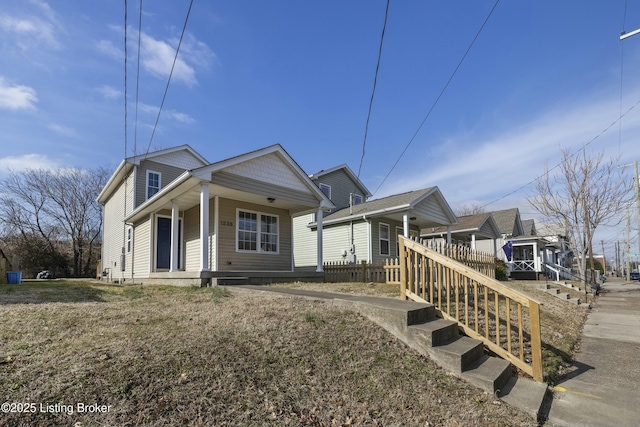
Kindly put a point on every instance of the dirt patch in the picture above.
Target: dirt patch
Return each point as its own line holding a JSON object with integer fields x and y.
{"x": 191, "y": 356}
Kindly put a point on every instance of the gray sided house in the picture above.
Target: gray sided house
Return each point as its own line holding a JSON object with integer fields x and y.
{"x": 365, "y": 230}
{"x": 172, "y": 217}
{"x": 510, "y": 225}
{"x": 469, "y": 230}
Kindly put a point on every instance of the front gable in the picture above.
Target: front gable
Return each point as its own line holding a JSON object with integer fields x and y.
{"x": 341, "y": 183}
{"x": 269, "y": 168}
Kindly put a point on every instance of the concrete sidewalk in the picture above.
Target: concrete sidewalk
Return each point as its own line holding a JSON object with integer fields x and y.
{"x": 603, "y": 387}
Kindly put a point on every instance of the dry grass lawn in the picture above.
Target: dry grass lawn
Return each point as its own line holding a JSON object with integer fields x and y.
{"x": 189, "y": 356}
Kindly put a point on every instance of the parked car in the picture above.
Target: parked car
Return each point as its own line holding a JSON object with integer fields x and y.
{"x": 635, "y": 275}
{"x": 44, "y": 274}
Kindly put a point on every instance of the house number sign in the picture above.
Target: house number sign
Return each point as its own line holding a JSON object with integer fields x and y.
{"x": 226, "y": 223}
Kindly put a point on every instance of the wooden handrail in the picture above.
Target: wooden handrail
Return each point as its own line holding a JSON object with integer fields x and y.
{"x": 428, "y": 276}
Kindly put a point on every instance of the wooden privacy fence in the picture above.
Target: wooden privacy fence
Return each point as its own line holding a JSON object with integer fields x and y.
{"x": 507, "y": 321}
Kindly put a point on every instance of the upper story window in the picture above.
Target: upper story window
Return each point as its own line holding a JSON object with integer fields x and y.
{"x": 153, "y": 183}
{"x": 326, "y": 189}
{"x": 356, "y": 199}
{"x": 257, "y": 232}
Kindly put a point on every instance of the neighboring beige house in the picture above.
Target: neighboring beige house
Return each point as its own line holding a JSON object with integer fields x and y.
{"x": 362, "y": 230}
{"x": 172, "y": 217}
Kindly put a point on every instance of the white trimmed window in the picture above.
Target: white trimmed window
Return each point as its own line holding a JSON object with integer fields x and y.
{"x": 257, "y": 232}
{"x": 326, "y": 189}
{"x": 384, "y": 239}
{"x": 153, "y": 183}
{"x": 129, "y": 238}
{"x": 356, "y": 199}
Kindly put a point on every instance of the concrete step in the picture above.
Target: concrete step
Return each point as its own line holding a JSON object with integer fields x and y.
{"x": 489, "y": 373}
{"x": 553, "y": 291}
{"x": 564, "y": 296}
{"x": 527, "y": 395}
{"x": 433, "y": 333}
{"x": 576, "y": 301}
{"x": 459, "y": 354}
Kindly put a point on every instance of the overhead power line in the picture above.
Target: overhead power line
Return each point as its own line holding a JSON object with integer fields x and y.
{"x": 440, "y": 95}
{"x": 125, "y": 79}
{"x": 175, "y": 58}
{"x": 135, "y": 134}
{"x": 584, "y": 146}
{"x": 375, "y": 80}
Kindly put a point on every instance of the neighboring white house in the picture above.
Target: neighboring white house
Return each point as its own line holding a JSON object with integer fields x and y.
{"x": 365, "y": 230}
{"x": 172, "y": 217}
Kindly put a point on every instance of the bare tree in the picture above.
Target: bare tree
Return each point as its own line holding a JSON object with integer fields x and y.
{"x": 469, "y": 209}
{"x": 587, "y": 192}
{"x": 55, "y": 208}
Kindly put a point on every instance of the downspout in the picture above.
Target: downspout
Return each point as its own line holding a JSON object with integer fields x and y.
{"x": 369, "y": 251}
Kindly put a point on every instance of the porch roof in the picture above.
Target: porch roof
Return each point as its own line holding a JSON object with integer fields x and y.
{"x": 482, "y": 225}
{"x": 426, "y": 208}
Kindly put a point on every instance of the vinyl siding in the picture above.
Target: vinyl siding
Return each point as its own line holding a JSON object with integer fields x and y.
{"x": 230, "y": 259}
{"x": 192, "y": 239}
{"x": 168, "y": 173}
{"x": 142, "y": 245}
{"x": 429, "y": 208}
{"x": 393, "y": 238}
{"x": 304, "y": 242}
{"x": 114, "y": 237}
{"x": 336, "y": 239}
{"x": 341, "y": 186}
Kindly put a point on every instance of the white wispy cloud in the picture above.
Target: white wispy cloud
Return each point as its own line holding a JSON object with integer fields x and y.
{"x": 489, "y": 167}
{"x": 38, "y": 28}
{"x": 17, "y": 97}
{"x": 27, "y": 161}
{"x": 109, "y": 49}
{"x": 158, "y": 57}
{"x": 170, "y": 114}
{"x": 62, "y": 130}
{"x": 110, "y": 92}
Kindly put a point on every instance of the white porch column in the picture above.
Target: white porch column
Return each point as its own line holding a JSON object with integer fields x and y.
{"x": 405, "y": 224}
{"x": 216, "y": 230}
{"x": 536, "y": 258}
{"x": 175, "y": 221}
{"x": 448, "y": 234}
{"x": 204, "y": 227}
{"x": 319, "y": 216}
{"x": 473, "y": 242}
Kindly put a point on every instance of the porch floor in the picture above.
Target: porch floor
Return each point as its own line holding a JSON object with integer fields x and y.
{"x": 212, "y": 278}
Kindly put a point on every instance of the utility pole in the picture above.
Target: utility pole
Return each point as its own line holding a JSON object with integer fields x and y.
{"x": 604, "y": 259}
{"x": 636, "y": 186}
{"x": 628, "y": 258}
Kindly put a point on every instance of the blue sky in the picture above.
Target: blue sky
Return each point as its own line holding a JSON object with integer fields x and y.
{"x": 541, "y": 76}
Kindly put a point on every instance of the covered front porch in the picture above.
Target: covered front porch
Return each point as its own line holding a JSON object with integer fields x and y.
{"x": 528, "y": 259}
{"x": 229, "y": 222}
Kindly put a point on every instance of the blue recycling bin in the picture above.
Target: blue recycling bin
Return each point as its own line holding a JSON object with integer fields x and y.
{"x": 14, "y": 277}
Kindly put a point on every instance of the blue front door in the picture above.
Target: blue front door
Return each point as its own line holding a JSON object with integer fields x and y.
{"x": 163, "y": 244}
